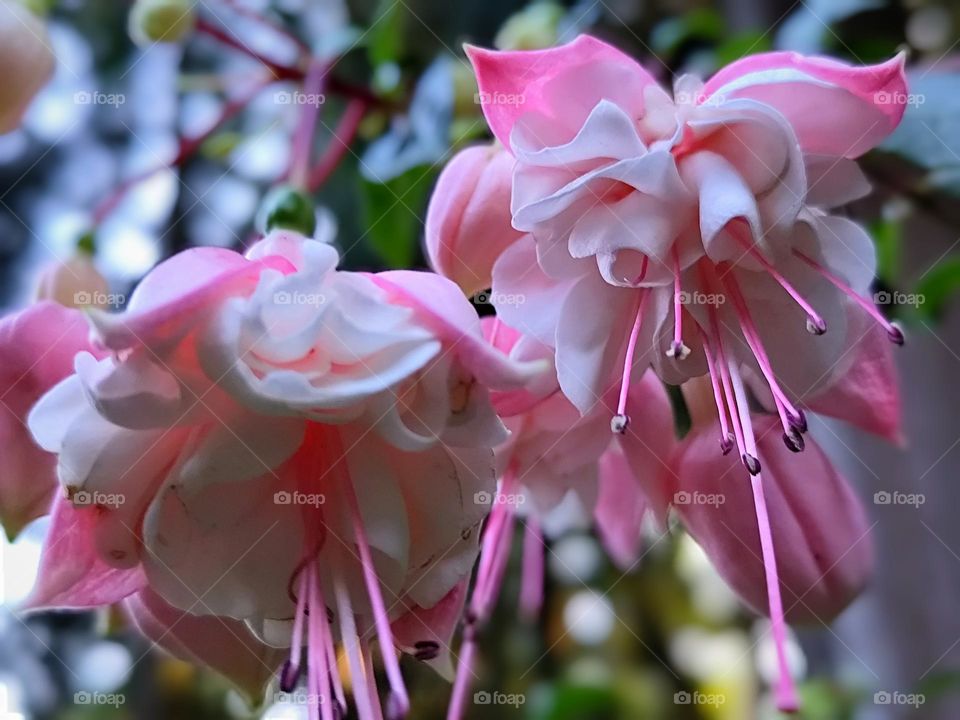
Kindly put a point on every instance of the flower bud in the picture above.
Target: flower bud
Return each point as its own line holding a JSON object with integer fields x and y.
{"x": 286, "y": 208}
{"x": 820, "y": 530}
{"x": 154, "y": 21}
{"x": 468, "y": 221}
{"x": 26, "y": 62}
{"x": 75, "y": 283}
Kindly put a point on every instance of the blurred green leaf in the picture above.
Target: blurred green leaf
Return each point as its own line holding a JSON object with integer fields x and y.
{"x": 392, "y": 212}
{"x": 701, "y": 24}
{"x": 742, "y": 45}
{"x": 565, "y": 701}
{"x": 887, "y": 235}
{"x": 387, "y": 32}
{"x": 938, "y": 286}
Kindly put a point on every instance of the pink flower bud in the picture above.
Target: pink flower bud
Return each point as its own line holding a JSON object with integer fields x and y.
{"x": 820, "y": 531}
{"x": 75, "y": 283}
{"x": 468, "y": 221}
{"x": 26, "y": 62}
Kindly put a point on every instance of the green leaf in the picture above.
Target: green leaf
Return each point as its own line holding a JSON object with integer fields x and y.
{"x": 742, "y": 45}
{"x": 701, "y": 24}
{"x": 887, "y": 236}
{"x": 392, "y": 214}
{"x": 937, "y": 287}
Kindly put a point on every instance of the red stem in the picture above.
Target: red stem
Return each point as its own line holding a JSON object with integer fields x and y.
{"x": 257, "y": 17}
{"x": 343, "y": 135}
{"x": 280, "y": 71}
{"x": 302, "y": 148}
{"x": 188, "y": 146}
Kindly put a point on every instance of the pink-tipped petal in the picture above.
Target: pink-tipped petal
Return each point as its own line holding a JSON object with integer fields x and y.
{"x": 72, "y": 574}
{"x": 222, "y": 644}
{"x": 37, "y": 348}
{"x": 427, "y": 633}
{"x": 867, "y": 394}
{"x": 621, "y": 506}
{"x": 835, "y": 108}
{"x": 588, "y": 70}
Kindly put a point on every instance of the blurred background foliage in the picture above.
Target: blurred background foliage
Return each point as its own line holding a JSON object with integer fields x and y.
{"x": 608, "y": 644}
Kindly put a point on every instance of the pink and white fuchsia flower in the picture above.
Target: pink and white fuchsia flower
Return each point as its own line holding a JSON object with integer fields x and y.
{"x": 271, "y": 440}
{"x": 691, "y": 232}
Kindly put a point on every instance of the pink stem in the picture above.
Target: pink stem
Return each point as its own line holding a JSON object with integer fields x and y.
{"x": 240, "y": 9}
{"x": 278, "y": 70}
{"x": 303, "y": 137}
{"x": 461, "y": 685}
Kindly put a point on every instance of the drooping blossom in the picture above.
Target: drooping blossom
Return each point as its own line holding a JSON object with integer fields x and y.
{"x": 26, "y": 61}
{"x": 272, "y": 440}
{"x": 468, "y": 219}
{"x": 74, "y": 282}
{"x": 556, "y": 462}
{"x": 691, "y": 232}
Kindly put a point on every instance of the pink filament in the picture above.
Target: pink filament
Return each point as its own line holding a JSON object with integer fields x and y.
{"x": 348, "y": 635}
{"x": 400, "y": 702}
{"x": 318, "y": 671}
{"x": 461, "y": 685}
{"x": 784, "y": 283}
{"x": 849, "y": 291}
{"x": 531, "y": 590}
{"x": 296, "y": 645}
{"x": 784, "y": 405}
{"x": 717, "y": 392}
{"x": 631, "y": 350}
{"x": 677, "y": 305}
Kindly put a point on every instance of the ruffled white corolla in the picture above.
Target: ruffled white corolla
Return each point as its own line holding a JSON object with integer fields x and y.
{"x": 271, "y": 437}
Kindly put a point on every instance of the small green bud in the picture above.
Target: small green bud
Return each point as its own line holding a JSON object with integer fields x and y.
{"x": 287, "y": 208}
{"x": 154, "y": 21}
